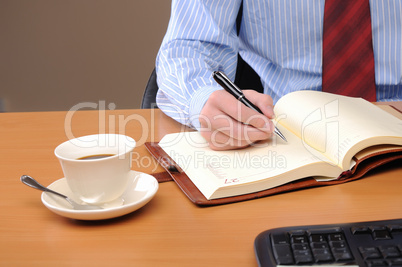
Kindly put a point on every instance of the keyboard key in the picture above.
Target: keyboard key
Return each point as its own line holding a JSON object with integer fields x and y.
{"x": 395, "y": 228}
{"x": 280, "y": 238}
{"x": 381, "y": 235}
{"x": 318, "y": 238}
{"x": 324, "y": 231}
{"x": 340, "y": 249}
{"x": 322, "y": 255}
{"x": 303, "y": 256}
{"x": 370, "y": 253}
{"x": 319, "y": 245}
{"x": 336, "y": 237}
{"x": 389, "y": 252}
{"x": 380, "y": 232}
{"x": 298, "y": 237}
{"x": 395, "y": 262}
{"x": 342, "y": 254}
{"x": 283, "y": 254}
{"x": 376, "y": 263}
{"x": 297, "y": 233}
{"x": 281, "y": 248}
{"x": 360, "y": 230}
{"x": 302, "y": 246}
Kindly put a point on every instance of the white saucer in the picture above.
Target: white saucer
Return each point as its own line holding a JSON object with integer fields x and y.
{"x": 141, "y": 188}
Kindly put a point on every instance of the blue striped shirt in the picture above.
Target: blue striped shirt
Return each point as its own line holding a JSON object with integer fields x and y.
{"x": 280, "y": 39}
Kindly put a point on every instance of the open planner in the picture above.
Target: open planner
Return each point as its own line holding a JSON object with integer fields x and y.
{"x": 331, "y": 139}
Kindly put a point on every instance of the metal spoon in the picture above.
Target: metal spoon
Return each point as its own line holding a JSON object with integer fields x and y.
{"x": 28, "y": 180}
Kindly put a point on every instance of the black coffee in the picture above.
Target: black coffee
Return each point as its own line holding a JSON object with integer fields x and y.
{"x": 100, "y": 156}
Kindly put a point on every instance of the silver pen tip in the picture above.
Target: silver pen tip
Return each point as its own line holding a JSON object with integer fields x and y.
{"x": 280, "y": 134}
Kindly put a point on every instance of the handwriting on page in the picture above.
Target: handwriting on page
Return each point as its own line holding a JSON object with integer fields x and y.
{"x": 231, "y": 181}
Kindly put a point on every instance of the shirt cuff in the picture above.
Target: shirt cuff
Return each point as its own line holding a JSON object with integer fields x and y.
{"x": 197, "y": 102}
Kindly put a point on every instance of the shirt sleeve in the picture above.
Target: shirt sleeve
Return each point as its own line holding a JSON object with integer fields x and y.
{"x": 201, "y": 38}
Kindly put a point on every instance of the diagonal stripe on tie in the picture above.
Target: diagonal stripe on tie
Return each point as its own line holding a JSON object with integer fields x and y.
{"x": 348, "y": 60}
{"x": 354, "y": 54}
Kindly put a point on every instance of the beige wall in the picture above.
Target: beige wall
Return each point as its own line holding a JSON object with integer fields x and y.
{"x": 55, "y": 54}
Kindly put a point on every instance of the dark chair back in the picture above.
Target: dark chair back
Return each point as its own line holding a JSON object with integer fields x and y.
{"x": 149, "y": 97}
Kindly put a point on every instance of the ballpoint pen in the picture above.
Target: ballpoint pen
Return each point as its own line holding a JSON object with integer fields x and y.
{"x": 235, "y": 91}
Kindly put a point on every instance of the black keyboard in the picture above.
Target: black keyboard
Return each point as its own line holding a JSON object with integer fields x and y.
{"x": 375, "y": 243}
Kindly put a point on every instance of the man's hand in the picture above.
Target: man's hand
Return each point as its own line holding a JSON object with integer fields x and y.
{"x": 226, "y": 123}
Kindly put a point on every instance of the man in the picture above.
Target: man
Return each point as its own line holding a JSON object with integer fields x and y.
{"x": 280, "y": 39}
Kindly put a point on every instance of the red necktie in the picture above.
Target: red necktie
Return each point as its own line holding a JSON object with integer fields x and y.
{"x": 348, "y": 59}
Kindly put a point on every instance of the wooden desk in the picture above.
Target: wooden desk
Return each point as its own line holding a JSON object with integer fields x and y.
{"x": 169, "y": 230}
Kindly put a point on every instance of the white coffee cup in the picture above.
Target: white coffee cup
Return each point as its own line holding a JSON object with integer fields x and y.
{"x": 97, "y": 180}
